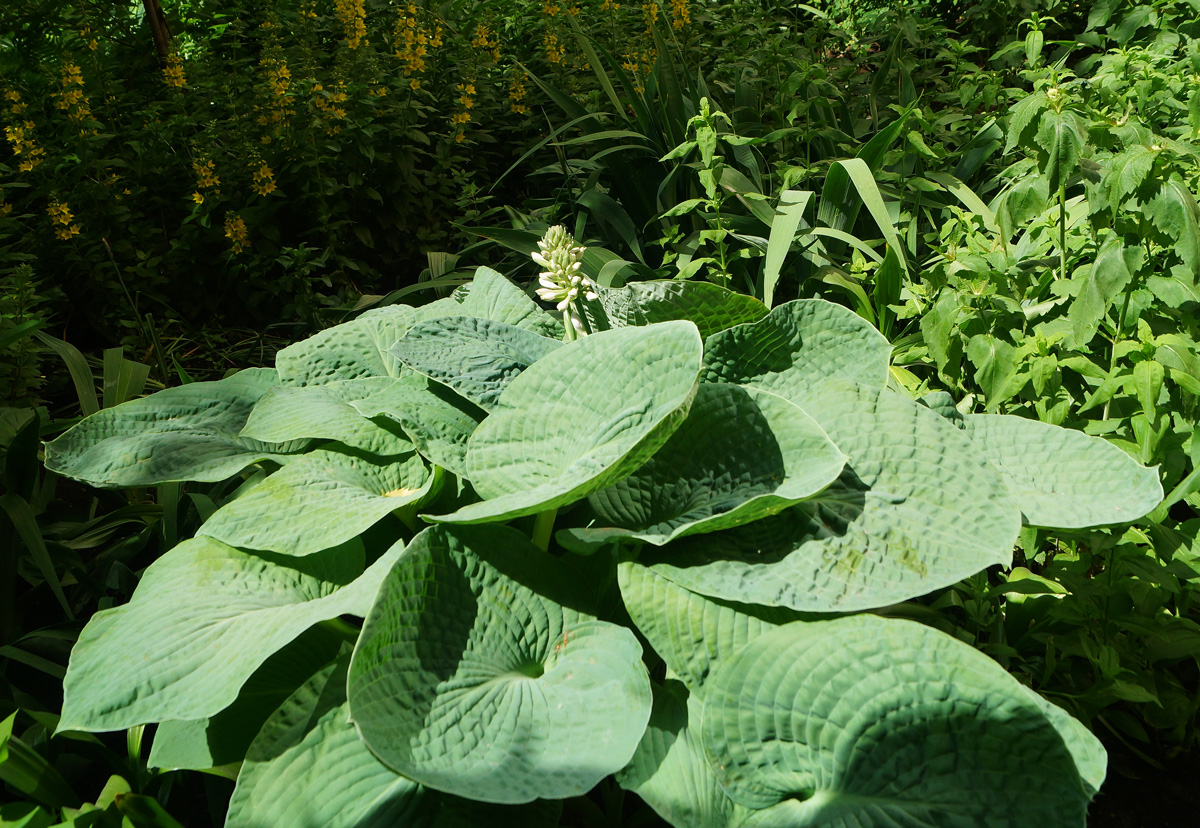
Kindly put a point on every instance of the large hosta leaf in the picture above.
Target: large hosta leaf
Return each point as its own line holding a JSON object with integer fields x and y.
{"x": 670, "y": 772}
{"x": 1062, "y": 478}
{"x": 739, "y": 456}
{"x": 185, "y": 433}
{"x": 359, "y": 348}
{"x": 916, "y": 508}
{"x": 581, "y": 418}
{"x": 710, "y": 307}
{"x": 222, "y": 739}
{"x": 481, "y": 672}
{"x": 435, "y": 418}
{"x": 691, "y": 633}
{"x": 325, "y": 412}
{"x": 320, "y": 500}
{"x": 490, "y": 296}
{"x": 864, "y": 721}
{"x": 475, "y": 357}
{"x": 203, "y": 618}
{"x": 310, "y": 741}
{"x": 796, "y": 347}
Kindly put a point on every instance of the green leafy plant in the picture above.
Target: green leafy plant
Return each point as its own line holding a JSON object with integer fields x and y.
{"x": 733, "y": 487}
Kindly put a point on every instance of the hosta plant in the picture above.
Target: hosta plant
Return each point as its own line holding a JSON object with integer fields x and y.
{"x": 660, "y": 553}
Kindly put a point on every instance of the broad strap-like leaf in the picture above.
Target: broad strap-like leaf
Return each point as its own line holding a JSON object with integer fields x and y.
{"x": 710, "y": 307}
{"x": 203, "y": 618}
{"x": 1061, "y": 478}
{"x": 309, "y": 742}
{"x": 797, "y": 346}
{"x": 670, "y": 772}
{"x": 580, "y": 419}
{"x": 867, "y": 722}
{"x": 917, "y": 508}
{"x": 481, "y": 671}
{"x": 476, "y": 357}
{"x": 435, "y": 418}
{"x": 325, "y": 412}
{"x": 739, "y": 456}
{"x": 187, "y": 433}
{"x": 322, "y": 499}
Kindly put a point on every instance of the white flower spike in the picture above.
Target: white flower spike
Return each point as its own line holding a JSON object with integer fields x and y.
{"x": 561, "y": 282}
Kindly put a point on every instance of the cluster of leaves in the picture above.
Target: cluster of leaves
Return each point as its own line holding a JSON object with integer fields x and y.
{"x": 488, "y": 654}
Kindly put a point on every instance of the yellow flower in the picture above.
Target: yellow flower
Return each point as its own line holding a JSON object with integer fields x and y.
{"x": 173, "y": 71}
{"x": 264, "y": 179}
{"x": 198, "y": 197}
{"x": 681, "y": 15}
{"x": 235, "y": 231}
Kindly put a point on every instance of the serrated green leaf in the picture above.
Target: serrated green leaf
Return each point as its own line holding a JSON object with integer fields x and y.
{"x": 581, "y": 418}
{"x": 481, "y": 672}
{"x": 1061, "y": 137}
{"x": 739, "y": 456}
{"x": 797, "y": 346}
{"x": 202, "y": 620}
{"x": 189, "y": 433}
{"x": 873, "y": 722}
{"x": 995, "y": 364}
{"x": 475, "y": 357}
{"x": 320, "y": 500}
{"x": 1102, "y": 284}
{"x": 917, "y": 508}
{"x": 1062, "y": 478}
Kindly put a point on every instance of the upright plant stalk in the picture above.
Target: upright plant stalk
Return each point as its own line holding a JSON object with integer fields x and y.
{"x": 543, "y": 528}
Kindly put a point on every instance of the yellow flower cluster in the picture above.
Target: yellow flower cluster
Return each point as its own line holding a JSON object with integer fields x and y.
{"x": 413, "y": 39}
{"x": 206, "y": 178}
{"x": 264, "y": 179}
{"x": 610, "y": 5}
{"x": 309, "y": 11}
{"x": 650, "y": 14}
{"x": 681, "y": 14}
{"x": 279, "y": 77}
{"x": 173, "y": 71}
{"x": 550, "y": 8}
{"x": 466, "y": 101}
{"x": 555, "y": 51}
{"x": 71, "y": 98}
{"x": 486, "y": 40}
{"x": 20, "y": 135}
{"x": 85, "y": 34}
{"x": 516, "y": 94}
{"x": 65, "y": 226}
{"x": 329, "y": 104}
{"x": 639, "y": 64}
{"x": 5, "y": 207}
{"x": 235, "y": 231}
{"x": 573, "y": 10}
{"x": 353, "y": 18}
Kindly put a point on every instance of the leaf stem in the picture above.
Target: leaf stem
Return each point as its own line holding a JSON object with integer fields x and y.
{"x": 543, "y": 527}
{"x": 340, "y": 627}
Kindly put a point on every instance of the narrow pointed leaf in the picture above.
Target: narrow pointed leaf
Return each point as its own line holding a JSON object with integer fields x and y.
{"x": 797, "y": 346}
{"x": 202, "y": 620}
{"x": 917, "y": 508}
{"x": 739, "y": 456}
{"x": 580, "y": 419}
{"x": 322, "y": 499}
{"x": 480, "y": 672}
{"x": 475, "y": 357}
{"x": 187, "y": 433}
{"x": 1062, "y": 478}
{"x": 872, "y": 722}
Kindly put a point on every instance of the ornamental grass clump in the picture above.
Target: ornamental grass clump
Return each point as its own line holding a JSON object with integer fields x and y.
{"x": 658, "y": 554}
